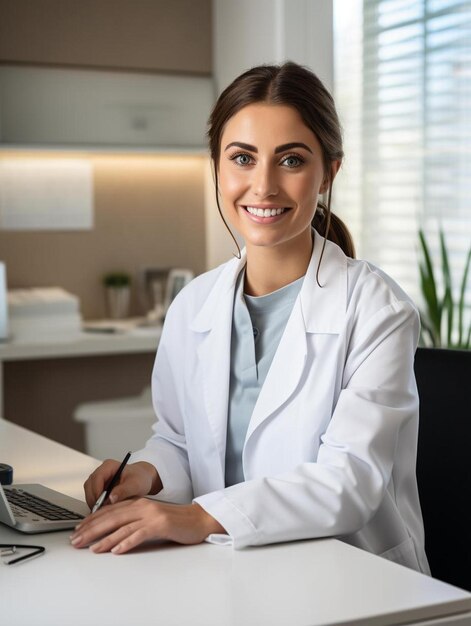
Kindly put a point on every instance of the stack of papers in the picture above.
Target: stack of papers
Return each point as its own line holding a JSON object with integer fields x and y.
{"x": 43, "y": 313}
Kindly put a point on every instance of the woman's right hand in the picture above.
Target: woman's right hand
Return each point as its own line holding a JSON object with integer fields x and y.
{"x": 137, "y": 479}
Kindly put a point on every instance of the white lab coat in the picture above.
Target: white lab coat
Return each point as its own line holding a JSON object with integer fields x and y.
{"x": 331, "y": 445}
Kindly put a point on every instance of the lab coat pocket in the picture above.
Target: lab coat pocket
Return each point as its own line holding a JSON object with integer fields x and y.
{"x": 404, "y": 554}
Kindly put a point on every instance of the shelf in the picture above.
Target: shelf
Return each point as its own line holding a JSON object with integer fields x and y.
{"x": 137, "y": 340}
{"x": 77, "y": 109}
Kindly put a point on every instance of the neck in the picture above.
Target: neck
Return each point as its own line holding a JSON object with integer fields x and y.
{"x": 271, "y": 268}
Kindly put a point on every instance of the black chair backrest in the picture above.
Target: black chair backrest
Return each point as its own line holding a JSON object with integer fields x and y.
{"x": 444, "y": 461}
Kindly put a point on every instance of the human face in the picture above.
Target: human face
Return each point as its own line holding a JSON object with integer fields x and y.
{"x": 270, "y": 174}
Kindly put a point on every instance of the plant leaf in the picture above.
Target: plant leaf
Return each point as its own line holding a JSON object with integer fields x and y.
{"x": 448, "y": 293}
{"x": 425, "y": 330}
{"x": 432, "y": 315}
{"x": 462, "y": 304}
{"x": 429, "y": 290}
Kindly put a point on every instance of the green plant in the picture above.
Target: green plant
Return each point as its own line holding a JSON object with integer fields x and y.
{"x": 117, "y": 279}
{"x": 439, "y": 328}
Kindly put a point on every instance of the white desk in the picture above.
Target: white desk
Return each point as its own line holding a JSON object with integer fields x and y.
{"x": 139, "y": 340}
{"x": 309, "y": 583}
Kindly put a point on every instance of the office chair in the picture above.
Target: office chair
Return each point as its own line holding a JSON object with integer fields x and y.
{"x": 444, "y": 461}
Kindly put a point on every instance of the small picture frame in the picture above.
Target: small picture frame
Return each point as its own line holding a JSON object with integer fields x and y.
{"x": 176, "y": 280}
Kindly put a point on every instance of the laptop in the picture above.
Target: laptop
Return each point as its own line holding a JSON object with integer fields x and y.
{"x": 38, "y": 509}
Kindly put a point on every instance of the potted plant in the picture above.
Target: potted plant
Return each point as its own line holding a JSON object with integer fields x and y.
{"x": 117, "y": 290}
{"x": 443, "y": 374}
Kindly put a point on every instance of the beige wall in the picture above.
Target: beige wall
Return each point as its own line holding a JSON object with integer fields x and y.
{"x": 149, "y": 35}
{"x": 149, "y": 211}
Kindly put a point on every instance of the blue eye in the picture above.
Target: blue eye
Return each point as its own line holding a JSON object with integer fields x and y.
{"x": 242, "y": 158}
{"x": 292, "y": 160}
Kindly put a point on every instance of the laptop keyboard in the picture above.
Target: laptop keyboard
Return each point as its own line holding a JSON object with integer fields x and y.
{"x": 20, "y": 501}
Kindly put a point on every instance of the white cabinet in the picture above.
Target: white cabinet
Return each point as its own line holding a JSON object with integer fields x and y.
{"x": 50, "y": 107}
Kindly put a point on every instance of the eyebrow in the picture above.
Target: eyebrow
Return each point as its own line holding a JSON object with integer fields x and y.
{"x": 282, "y": 148}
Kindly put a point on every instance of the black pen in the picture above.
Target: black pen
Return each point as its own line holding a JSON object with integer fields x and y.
{"x": 111, "y": 484}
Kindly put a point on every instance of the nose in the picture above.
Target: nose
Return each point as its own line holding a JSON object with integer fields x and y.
{"x": 264, "y": 181}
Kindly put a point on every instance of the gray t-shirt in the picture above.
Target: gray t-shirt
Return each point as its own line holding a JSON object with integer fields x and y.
{"x": 257, "y": 326}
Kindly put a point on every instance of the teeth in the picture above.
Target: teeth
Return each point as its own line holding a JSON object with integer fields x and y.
{"x": 264, "y": 212}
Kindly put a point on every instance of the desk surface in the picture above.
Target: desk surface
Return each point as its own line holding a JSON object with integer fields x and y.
{"x": 304, "y": 583}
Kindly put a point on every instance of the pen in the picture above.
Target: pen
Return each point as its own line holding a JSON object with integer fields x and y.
{"x": 111, "y": 484}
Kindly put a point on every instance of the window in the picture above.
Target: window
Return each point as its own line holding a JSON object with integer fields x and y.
{"x": 403, "y": 91}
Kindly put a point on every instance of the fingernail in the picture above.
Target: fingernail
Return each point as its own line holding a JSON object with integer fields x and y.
{"x": 113, "y": 498}
{"x": 78, "y": 526}
{"x": 116, "y": 549}
{"x": 76, "y": 540}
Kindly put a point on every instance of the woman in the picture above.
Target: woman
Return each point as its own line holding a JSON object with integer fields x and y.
{"x": 284, "y": 379}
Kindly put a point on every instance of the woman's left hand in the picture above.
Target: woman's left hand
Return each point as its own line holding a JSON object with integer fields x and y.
{"x": 122, "y": 526}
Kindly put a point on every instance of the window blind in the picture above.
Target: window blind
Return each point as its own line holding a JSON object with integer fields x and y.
{"x": 403, "y": 91}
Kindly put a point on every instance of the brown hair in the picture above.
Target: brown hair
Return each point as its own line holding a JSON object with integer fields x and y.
{"x": 296, "y": 86}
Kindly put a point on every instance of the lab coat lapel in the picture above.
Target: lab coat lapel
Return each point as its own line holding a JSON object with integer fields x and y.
{"x": 285, "y": 372}
{"x": 317, "y": 310}
{"x": 214, "y": 353}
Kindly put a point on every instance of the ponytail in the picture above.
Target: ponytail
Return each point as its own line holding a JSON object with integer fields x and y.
{"x": 334, "y": 229}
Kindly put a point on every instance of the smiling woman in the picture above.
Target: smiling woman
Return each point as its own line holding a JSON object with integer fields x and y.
{"x": 271, "y": 172}
{"x": 292, "y": 86}
{"x": 284, "y": 379}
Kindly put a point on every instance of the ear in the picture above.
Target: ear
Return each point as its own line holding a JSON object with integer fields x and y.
{"x": 329, "y": 178}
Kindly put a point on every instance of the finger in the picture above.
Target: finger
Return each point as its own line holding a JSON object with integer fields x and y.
{"x": 89, "y": 492}
{"x": 122, "y": 540}
{"x": 90, "y": 496}
{"x": 107, "y": 511}
{"x": 95, "y": 483}
{"x": 132, "y": 541}
{"x": 92, "y": 518}
{"x": 101, "y": 523}
{"x": 128, "y": 486}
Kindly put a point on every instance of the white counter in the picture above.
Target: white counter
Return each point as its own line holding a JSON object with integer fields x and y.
{"x": 321, "y": 582}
